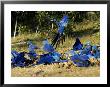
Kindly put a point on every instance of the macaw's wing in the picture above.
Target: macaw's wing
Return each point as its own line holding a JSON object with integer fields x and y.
{"x": 31, "y": 47}
{"x": 45, "y": 59}
{"x": 84, "y": 57}
{"x": 64, "y": 21}
{"x": 19, "y": 60}
{"x": 14, "y": 53}
{"x": 20, "y": 64}
{"x": 21, "y": 57}
{"x": 48, "y": 48}
{"x": 80, "y": 61}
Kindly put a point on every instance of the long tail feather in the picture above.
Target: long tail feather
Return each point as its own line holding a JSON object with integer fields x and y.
{"x": 55, "y": 39}
{"x": 58, "y": 39}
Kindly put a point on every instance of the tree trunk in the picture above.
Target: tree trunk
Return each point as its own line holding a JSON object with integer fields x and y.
{"x": 19, "y": 30}
{"x": 15, "y": 28}
{"x": 52, "y": 26}
{"x": 37, "y": 29}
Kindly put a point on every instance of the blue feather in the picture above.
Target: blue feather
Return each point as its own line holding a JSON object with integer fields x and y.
{"x": 62, "y": 24}
{"x": 56, "y": 56}
{"x": 78, "y": 45}
{"x": 31, "y": 48}
{"x": 19, "y": 59}
{"x": 47, "y": 47}
{"x": 80, "y": 61}
{"x": 45, "y": 59}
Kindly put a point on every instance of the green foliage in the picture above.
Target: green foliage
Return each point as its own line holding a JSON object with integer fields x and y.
{"x": 41, "y": 21}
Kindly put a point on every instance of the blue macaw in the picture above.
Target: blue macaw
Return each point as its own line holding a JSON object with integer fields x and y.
{"x": 60, "y": 32}
{"x": 62, "y": 24}
{"x": 49, "y": 58}
{"x": 80, "y": 60}
{"x": 18, "y": 59}
{"x": 47, "y": 46}
{"x": 45, "y": 59}
{"x": 31, "y": 47}
{"x": 78, "y": 45}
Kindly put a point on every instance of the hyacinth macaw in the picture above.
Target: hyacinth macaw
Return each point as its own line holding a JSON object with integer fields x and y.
{"x": 60, "y": 31}
{"x": 80, "y": 60}
{"x": 18, "y": 59}
{"x": 31, "y": 47}
{"x": 52, "y": 56}
{"x": 45, "y": 59}
{"x": 78, "y": 45}
{"x": 47, "y": 46}
{"x": 48, "y": 58}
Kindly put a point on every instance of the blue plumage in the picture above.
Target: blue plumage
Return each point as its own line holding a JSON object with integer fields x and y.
{"x": 45, "y": 59}
{"x": 14, "y": 53}
{"x": 62, "y": 24}
{"x": 80, "y": 61}
{"x": 56, "y": 56}
{"x": 19, "y": 59}
{"x": 78, "y": 45}
{"x": 47, "y": 47}
{"x": 31, "y": 47}
{"x": 60, "y": 31}
{"x": 48, "y": 58}
{"x": 84, "y": 57}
